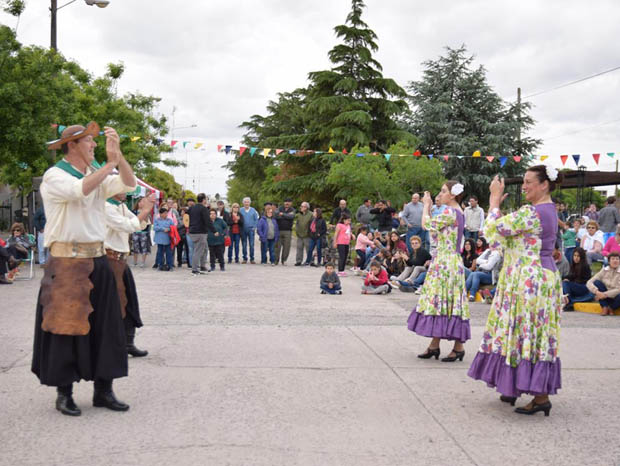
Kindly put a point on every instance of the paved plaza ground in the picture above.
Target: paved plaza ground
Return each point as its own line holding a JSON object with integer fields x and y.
{"x": 254, "y": 367}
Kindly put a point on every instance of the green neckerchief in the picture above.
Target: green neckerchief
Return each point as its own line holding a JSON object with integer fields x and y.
{"x": 114, "y": 201}
{"x": 70, "y": 169}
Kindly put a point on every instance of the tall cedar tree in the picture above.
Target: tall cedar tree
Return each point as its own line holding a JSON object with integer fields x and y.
{"x": 350, "y": 105}
{"x": 455, "y": 111}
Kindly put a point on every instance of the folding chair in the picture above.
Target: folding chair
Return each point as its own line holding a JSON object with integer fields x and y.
{"x": 31, "y": 272}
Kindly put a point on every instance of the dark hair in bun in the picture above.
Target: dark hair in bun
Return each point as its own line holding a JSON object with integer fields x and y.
{"x": 451, "y": 183}
{"x": 541, "y": 174}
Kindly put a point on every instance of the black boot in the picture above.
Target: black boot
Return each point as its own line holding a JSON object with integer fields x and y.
{"x": 65, "y": 403}
{"x": 131, "y": 347}
{"x": 104, "y": 396}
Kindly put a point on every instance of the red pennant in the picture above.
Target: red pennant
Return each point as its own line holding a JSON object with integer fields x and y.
{"x": 241, "y": 150}
{"x": 596, "y": 157}
{"x": 490, "y": 158}
{"x": 517, "y": 158}
{"x": 172, "y": 143}
{"x": 344, "y": 151}
{"x": 564, "y": 159}
{"x": 219, "y": 148}
{"x": 278, "y": 151}
{"x": 417, "y": 153}
{"x": 445, "y": 157}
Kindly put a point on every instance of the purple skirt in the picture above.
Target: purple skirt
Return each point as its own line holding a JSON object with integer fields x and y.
{"x": 541, "y": 378}
{"x": 442, "y": 326}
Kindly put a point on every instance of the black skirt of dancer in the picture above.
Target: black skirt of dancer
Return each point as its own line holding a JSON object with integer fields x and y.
{"x": 133, "y": 308}
{"x": 60, "y": 360}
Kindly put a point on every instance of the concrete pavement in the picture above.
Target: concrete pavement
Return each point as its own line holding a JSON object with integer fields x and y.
{"x": 254, "y": 367}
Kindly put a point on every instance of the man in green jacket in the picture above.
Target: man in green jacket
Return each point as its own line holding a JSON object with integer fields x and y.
{"x": 302, "y": 227}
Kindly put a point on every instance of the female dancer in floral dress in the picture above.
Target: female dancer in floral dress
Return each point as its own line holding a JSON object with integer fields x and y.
{"x": 443, "y": 309}
{"x": 519, "y": 349}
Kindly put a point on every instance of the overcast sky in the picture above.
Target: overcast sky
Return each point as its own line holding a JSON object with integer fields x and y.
{"x": 219, "y": 62}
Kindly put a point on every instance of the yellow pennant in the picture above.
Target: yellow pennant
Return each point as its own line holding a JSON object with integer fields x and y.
{"x": 330, "y": 151}
{"x": 266, "y": 152}
{"x": 543, "y": 157}
{"x": 197, "y": 146}
{"x": 135, "y": 138}
{"x": 476, "y": 154}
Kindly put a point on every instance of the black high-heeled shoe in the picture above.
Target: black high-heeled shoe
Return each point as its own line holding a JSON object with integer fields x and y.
{"x": 508, "y": 399}
{"x": 457, "y": 355}
{"x": 429, "y": 353}
{"x": 545, "y": 407}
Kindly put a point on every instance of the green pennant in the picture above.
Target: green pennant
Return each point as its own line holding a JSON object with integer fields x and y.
{"x": 387, "y": 156}
{"x": 252, "y": 151}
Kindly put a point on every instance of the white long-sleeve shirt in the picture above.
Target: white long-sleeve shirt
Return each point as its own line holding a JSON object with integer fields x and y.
{"x": 488, "y": 260}
{"x": 120, "y": 222}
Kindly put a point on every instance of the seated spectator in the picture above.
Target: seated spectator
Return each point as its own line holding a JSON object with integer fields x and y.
{"x": 8, "y": 265}
{"x": 592, "y": 242}
{"x": 362, "y": 242}
{"x": 574, "y": 285}
{"x": 376, "y": 281}
{"x": 395, "y": 243}
{"x": 486, "y": 263}
{"x": 612, "y": 244}
{"x": 330, "y": 282}
{"x": 469, "y": 256}
{"x": 18, "y": 244}
{"x": 580, "y": 229}
{"x": 481, "y": 245}
{"x": 606, "y": 285}
{"x": 416, "y": 263}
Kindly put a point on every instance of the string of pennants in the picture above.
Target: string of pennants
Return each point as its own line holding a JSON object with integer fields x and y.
{"x": 269, "y": 152}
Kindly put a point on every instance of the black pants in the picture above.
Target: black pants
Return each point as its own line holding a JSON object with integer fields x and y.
{"x": 180, "y": 248}
{"x": 216, "y": 252}
{"x": 343, "y": 255}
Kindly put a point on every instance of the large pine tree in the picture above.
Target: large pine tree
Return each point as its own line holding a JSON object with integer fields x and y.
{"x": 455, "y": 111}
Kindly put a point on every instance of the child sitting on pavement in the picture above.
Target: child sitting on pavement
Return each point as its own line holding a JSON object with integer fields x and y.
{"x": 376, "y": 281}
{"x": 330, "y": 282}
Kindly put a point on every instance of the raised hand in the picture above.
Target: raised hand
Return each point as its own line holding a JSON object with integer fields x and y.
{"x": 496, "y": 189}
{"x": 112, "y": 146}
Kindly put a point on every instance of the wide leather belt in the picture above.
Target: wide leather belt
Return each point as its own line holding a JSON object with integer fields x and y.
{"x": 117, "y": 256}
{"x": 77, "y": 250}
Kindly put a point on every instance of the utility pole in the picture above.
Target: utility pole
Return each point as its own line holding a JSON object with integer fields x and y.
{"x": 53, "y": 10}
{"x": 519, "y": 120}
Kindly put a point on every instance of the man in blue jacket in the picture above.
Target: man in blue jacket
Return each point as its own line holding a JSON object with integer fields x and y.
{"x": 250, "y": 221}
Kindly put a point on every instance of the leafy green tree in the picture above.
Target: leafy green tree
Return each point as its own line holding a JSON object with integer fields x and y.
{"x": 455, "y": 111}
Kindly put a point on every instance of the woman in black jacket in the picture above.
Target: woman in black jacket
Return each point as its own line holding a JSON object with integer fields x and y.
{"x": 469, "y": 256}
{"x": 316, "y": 229}
{"x": 574, "y": 286}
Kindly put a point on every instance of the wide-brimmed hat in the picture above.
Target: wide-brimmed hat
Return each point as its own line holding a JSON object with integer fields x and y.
{"x": 71, "y": 133}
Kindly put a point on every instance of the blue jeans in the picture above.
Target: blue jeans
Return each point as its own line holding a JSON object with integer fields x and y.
{"x": 189, "y": 250}
{"x": 476, "y": 279}
{"x": 159, "y": 260}
{"x": 268, "y": 245}
{"x": 471, "y": 234}
{"x": 468, "y": 272}
{"x": 234, "y": 243}
{"x": 314, "y": 243}
{"x": 613, "y": 303}
{"x": 248, "y": 235}
{"x": 414, "y": 231}
{"x": 568, "y": 253}
{"x": 577, "y": 293}
{"x": 419, "y": 280}
{"x": 329, "y": 290}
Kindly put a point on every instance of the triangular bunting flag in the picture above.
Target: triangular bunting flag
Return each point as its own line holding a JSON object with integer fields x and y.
{"x": 135, "y": 138}
{"x": 360, "y": 154}
{"x": 490, "y": 158}
{"x": 430, "y": 156}
{"x": 173, "y": 142}
{"x": 476, "y": 154}
{"x": 387, "y": 156}
{"x": 242, "y": 149}
{"x": 417, "y": 153}
{"x": 517, "y": 158}
{"x": 502, "y": 161}
{"x": 344, "y": 151}
{"x": 564, "y": 158}
{"x": 185, "y": 143}
{"x": 292, "y": 151}
{"x": 576, "y": 158}
{"x": 266, "y": 152}
{"x": 460, "y": 156}
{"x": 197, "y": 146}
{"x": 445, "y": 157}
{"x": 319, "y": 152}
{"x": 252, "y": 151}
{"x": 596, "y": 157}
{"x": 227, "y": 149}
{"x": 219, "y": 148}
{"x": 278, "y": 151}
{"x": 330, "y": 151}
{"x": 61, "y": 128}
{"x": 610, "y": 154}
{"x": 543, "y": 158}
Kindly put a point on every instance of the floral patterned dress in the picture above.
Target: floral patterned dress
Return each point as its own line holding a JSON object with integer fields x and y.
{"x": 519, "y": 349}
{"x": 443, "y": 309}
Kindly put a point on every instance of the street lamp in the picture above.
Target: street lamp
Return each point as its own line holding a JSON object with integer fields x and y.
{"x": 54, "y": 9}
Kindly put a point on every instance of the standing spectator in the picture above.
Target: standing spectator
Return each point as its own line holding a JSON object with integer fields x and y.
{"x": 39, "y": 225}
{"x": 330, "y": 283}
{"x": 268, "y": 233}
{"x": 412, "y": 216}
{"x": 285, "y": 216}
{"x": 181, "y": 245}
{"x": 189, "y": 245}
{"x": 562, "y": 213}
{"x": 609, "y": 218}
{"x": 302, "y": 230}
{"x": 141, "y": 240}
{"x": 342, "y": 240}
{"x": 593, "y": 242}
{"x": 173, "y": 213}
{"x": 361, "y": 243}
{"x": 236, "y": 227}
{"x": 591, "y": 213}
{"x": 216, "y": 240}
{"x": 376, "y": 281}
{"x": 250, "y": 221}
{"x": 384, "y": 215}
{"x": 574, "y": 285}
{"x": 222, "y": 212}
{"x": 363, "y": 213}
{"x": 569, "y": 238}
{"x": 605, "y": 285}
{"x": 474, "y": 219}
{"x": 316, "y": 229}
{"x": 199, "y": 225}
{"x": 162, "y": 240}
{"x": 338, "y": 211}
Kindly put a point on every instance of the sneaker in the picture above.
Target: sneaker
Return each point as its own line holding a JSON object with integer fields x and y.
{"x": 237, "y": 261}
{"x": 195, "y": 273}
{"x": 472, "y": 299}
{"x": 244, "y": 261}
{"x": 204, "y": 269}
{"x": 273, "y": 264}
{"x": 155, "y": 266}
{"x": 212, "y": 269}
{"x": 342, "y": 274}
{"x": 339, "y": 292}
{"x": 203, "y": 272}
{"x": 312, "y": 264}
{"x": 393, "y": 278}
{"x": 252, "y": 262}
{"x": 323, "y": 292}
{"x": 395, "y": 284}
{"x": 297, "y": 264}
{"x": 418, "y": 291}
